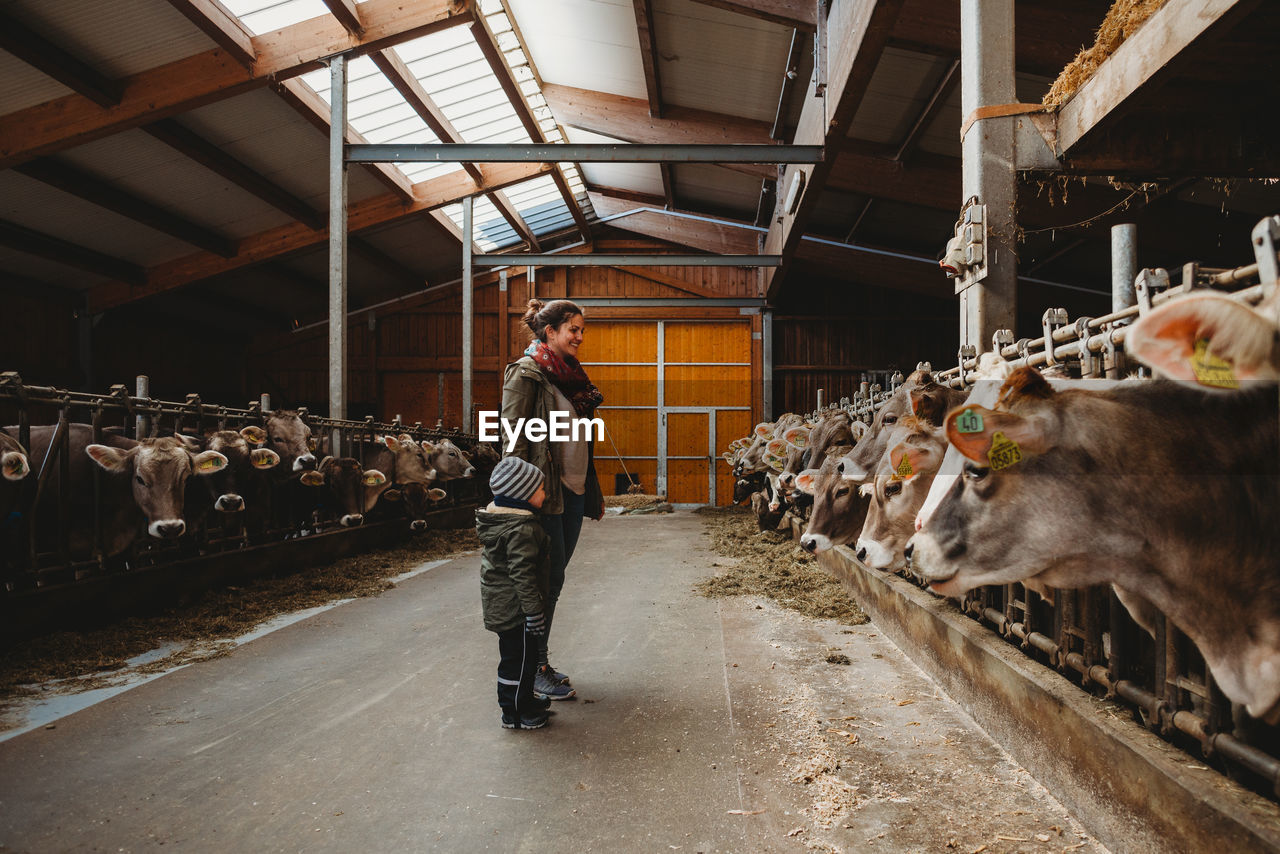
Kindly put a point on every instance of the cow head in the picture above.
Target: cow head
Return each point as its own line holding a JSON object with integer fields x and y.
{"x": 838, "y": 508}
{"x": 346, "y": 481}
{"x": 896, "y": 493}
{"x": 291, "y": 438}
{"x": 447, "y": 459}
{"x": 14, "y": 464}
{"x": 418, "y": 500}
{"x": 244, "y": 456}
{"x": 1211, "y": 339}
{"x": 744, "y": 487}
{"x": 159, "y": 468}
{"x": 411, "y": 462}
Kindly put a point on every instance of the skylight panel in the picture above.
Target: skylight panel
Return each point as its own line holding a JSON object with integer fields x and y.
{"x": 265, "y": 16}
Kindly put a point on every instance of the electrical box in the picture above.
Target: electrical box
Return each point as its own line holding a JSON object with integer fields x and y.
{"x": 965, "y": 256}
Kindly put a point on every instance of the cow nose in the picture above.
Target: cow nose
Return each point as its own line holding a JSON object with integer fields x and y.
{"x": 911, "y": 547}
{"x": 304, "y": 462}
{"x": 862, "y": 555}
{"x": 351, "y": 520}
{"x": 168, "y": 529}
{"x": 808, "y": 543}
{"x": 418, "y": 525}
{"x": 229, "y": 503}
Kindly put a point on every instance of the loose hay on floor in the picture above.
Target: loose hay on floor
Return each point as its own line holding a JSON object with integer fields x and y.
{"x": 771, "y": 563}
{"x": 203, "y": 629}
{"x": 631, "y": 502}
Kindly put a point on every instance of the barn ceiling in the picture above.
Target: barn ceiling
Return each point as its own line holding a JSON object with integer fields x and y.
{"x": 160, "y": 149}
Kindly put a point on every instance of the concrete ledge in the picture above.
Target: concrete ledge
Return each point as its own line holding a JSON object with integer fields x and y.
{"x": 1132, "y": 790}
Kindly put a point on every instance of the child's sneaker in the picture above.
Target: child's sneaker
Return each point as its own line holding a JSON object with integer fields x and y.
{"x": 545, "y": 686}
{"x": 558, "y": 676}
{"x": 528, "y": 720}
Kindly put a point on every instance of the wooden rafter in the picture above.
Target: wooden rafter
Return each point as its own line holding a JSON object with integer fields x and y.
{"x": 347, "y": 14}
{"x": 488, "y": 44}
{"x": 717, "y": 237}
{"x": 394, "y": 69}
{"x": 213, "y": 158}
{"x": 857, "y": 34}
{"x": 649, "y": 55}
{"x": 284, "y": 240}
{"x": 72, "y": 254}
{"x": 594, "y": 190}
{"x": 313, "y": 108}
{"x": 655, "y": 274}
{"x": 81, "y": 184}
{"x": 946, "y": 85}
{"x": 800, "y": 14}
{"x": 46, "y": 57}
{"x": 218, "y": 23}
{"x": 668, "y": 185}
{"x": 214, "y": 75}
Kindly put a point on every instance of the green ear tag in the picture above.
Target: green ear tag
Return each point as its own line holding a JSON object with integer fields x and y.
{"x": 969, "y": 422}
{"x": 904, "y": 469}
{"x": 1004, "y": 452}
{"x": 1211, "y": 370}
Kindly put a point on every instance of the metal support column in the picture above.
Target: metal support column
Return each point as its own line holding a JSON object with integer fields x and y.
{"x": 1124, "y": 265}
{"x": 337, "y": 247}
{"x": 766, "y": 369}
{"x": 987, "y": 79}
{"x": 468, "y": 311}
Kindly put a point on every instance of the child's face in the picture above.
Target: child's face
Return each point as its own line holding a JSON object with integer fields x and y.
{"x": 538, "y": 497}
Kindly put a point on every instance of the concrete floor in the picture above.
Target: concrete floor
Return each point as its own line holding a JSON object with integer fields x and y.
{"x": 374, "y": 725}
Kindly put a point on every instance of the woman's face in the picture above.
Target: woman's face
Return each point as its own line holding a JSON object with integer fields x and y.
{"x": 565, "y": 339}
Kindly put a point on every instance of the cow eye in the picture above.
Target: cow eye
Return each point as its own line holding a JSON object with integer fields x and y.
{"x": 139, "y": 479}
{"x": 893, "y": 487}
{"x": 975, "y": 472}
{"x": 844, "y": 490}
{"x": 891, "y": 419}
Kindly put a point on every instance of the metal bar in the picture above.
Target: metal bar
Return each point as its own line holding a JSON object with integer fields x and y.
{"x": 468, "y": 309}
{"x": 466, "y": 152}
{"x": 595, "y": 260}
{"x": 337, "y": 248}
{"x": 1124, "y": 265}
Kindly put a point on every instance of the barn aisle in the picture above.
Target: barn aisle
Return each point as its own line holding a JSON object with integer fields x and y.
{"x": 374, "y": 725}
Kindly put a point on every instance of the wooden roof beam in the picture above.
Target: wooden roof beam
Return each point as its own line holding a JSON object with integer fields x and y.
{"x": 799, "y": 14}
{"x": 81, "y": 184}
{"x": 347, "y": 14}
{"x": 214, "y": 75}
{"x": 790, "y": 77}
{"x": 62, "y": 251}
{"x": 721, "y": 238}
{"x": 650, "y": 199}
{"x": 488, "y": 44}
{"x": 856, "y": 32}
{"x": 49, "y": 59}
{"x": 220, "y": 24}
{"x": 946, "y": 85}
{"x": 649, "y": 55}
{"x": 394, "y": 69}
{"x": 294, "y": 237}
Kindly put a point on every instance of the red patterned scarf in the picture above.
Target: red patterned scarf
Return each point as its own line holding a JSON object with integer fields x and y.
{"x": 567, "y": 375}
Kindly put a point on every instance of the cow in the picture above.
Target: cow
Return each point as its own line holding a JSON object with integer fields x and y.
{"x": 417, "y": 500}
{"x": 145, "y": 487}
{"x": 745, "y": 486}
{"x": 1074, "y": 488}
{"x": 1211, "y": 339}
{"x": 447, "y": 459}
{"x": 768, "y": 515}
{"x": 290, "y": 437}
{"x": 919, "y": 395}
{"x": 838, "y": 507}
{"x": 247, "y": 461}
{"x": 401, "y": 460}
{"x": 345, "y": 483}
{"x": 753, "y": 457}
{"x": 896, "y": 492}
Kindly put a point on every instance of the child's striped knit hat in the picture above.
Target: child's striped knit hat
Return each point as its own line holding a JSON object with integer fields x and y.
{"x": 515, "y": 478}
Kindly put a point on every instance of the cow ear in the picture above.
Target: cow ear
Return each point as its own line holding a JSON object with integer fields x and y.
{"x": 858, "y": 429}
{"x": 392, "y": 495}
{"x": 14, "y": 465}
{"x": 311, "y": 478}
{"x": 254, "y": 435}
{"x": 264, "y": 458}
{"x": 907, "y": 462}
{"x": 806, "y": 480}
{"x": 798, "y": 436}
{"x": 373, "y": 477}
{"x": 435, "y": 493}
{"x": 111, "y": 459}
{"x": 1208, "y": 338}
{"x": 994, "y": 438}
{"x": 391, "y": 442}
{"x": 929, "y": 402}
{"x": 191, "y": 443}
{"x": 208, "y": 462}
{"x": 762, "y": 430}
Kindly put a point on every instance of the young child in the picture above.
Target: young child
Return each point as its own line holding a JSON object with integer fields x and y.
{"x": 514, "y": 577}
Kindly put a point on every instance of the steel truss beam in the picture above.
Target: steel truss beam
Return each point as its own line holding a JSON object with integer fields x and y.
{"x": 582, "y": 153}
{"x": 601, "y": 260}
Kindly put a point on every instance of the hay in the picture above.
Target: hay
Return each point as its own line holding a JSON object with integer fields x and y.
{"x": 1122, "y": 21}
{"x": 203, "y": 629}
{"x": 771, "y": 564}
{"x": 631, "y": 501}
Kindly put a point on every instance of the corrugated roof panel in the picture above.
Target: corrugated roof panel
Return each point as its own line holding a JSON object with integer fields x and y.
{"x": 115, "y": 39}
{"x": 640, "y": 177}
{"x": 900, "y": 88}
{"x": 716, "y": 187}
{"x": 20, "y": 264}
{"x": 591, "y": 44}
{"x": 21, "y": 86}
{"x": 264, "y": 16}
{"x": 715, "y": 60}
{"x": 141, "y": 164}
{"x": 490, "y": 230}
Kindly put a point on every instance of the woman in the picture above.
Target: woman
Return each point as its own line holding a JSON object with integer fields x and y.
{"x": 549, "y": 378}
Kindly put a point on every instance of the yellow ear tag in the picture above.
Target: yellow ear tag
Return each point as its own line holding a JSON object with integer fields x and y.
{"x": 904, "y": 469}
{"x": 1211, "y": 370}
{"x": 1004, "y": 452}
{"x": 209, "y": 465}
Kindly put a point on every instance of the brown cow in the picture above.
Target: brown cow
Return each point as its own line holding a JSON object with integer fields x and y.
{"x": 291, "y": 438}
{"x": 838, "y": 507}
{"x": 401, "y": 460}
{"x": 345, "y": 482}
{"x": 919, "y": 395}
{"x": 897, "y": 491}
{"x": 418, "y": 499}
{"x": 146, "y": 487}
{"x": 447, "y": 459}
{"x": 1164, "y": 490}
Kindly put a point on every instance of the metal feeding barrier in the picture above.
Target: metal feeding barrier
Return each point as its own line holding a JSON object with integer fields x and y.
{"x": 31, "y": 563}
{"x": 1087, "y": 634}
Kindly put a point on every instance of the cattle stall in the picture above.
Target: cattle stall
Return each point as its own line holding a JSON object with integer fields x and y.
{"x": 61, "y": 546}
{"x": 1088, "y": 635}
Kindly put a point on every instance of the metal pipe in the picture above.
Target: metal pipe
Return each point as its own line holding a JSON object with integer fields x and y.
{"x": 142, "y": 424}
{"x": 637, "y": 260}
{"x": 467, "y": 152}
{"x": 468, "y": 309}
{"x": 1124, "y": 265}
{"x": 337, "y": 247}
